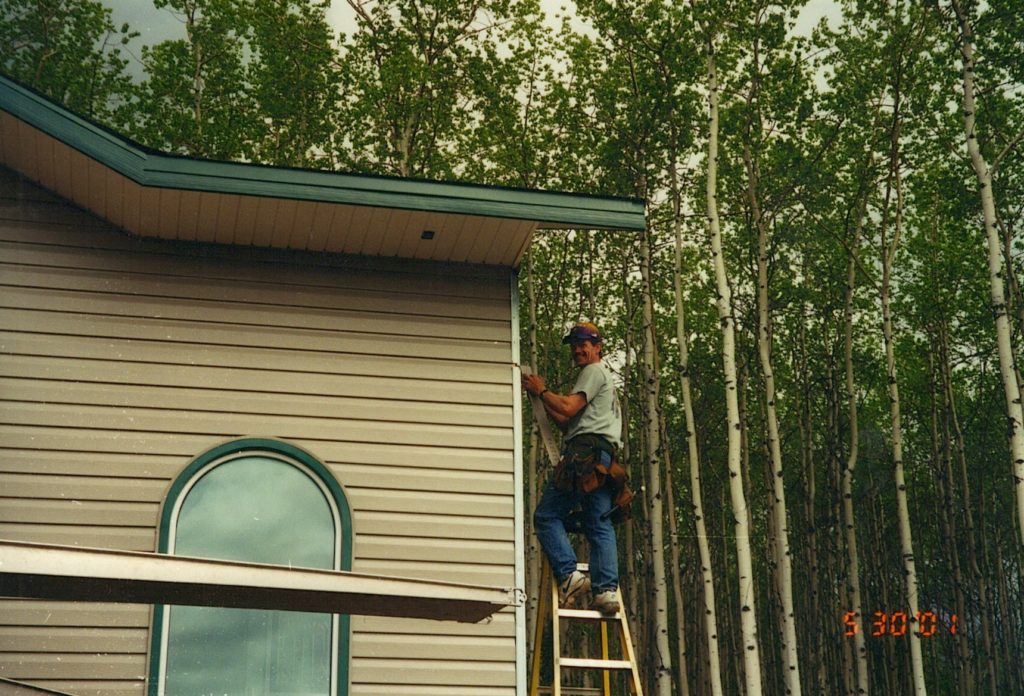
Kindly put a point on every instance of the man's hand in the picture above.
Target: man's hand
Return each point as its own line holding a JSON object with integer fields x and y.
{"x": 534, "y": 384}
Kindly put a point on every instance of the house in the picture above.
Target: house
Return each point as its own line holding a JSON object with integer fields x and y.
{"x": 310, "y": 377}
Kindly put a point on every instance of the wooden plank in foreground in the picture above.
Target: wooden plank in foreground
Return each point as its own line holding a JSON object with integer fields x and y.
{"x": 44, "y": 571}
{"x": 9, "y": 687}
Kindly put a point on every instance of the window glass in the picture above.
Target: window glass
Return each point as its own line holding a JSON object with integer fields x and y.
{"x": 265, "y": 510}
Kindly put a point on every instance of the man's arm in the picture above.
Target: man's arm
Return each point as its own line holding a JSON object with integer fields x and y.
{"x": 561, "y": 408}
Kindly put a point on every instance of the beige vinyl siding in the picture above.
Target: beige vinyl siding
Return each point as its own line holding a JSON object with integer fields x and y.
{"x": 122, "y": 359}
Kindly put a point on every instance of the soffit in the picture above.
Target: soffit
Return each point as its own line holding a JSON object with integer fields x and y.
{"x": 152, "y": 194}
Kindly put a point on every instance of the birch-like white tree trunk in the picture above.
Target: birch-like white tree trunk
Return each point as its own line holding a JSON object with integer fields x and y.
{"x": 996, "y": 268}
{"x": 675, "y": 564}
{"x": 986, "y": 664}
{"x": 744, "y": 563}
{"x": 780, "y": 517}
{"x": 902, "y": 508}
{"x": 628, "y": 578}
{"x": 661, "y": 657}
{"x": 697, "y": 497}
{"x": 849, "y": 522}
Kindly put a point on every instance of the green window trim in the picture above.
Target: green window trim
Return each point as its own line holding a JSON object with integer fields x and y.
{"x": 343, "y": 558}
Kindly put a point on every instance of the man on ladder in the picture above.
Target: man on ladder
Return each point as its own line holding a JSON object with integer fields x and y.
{"x": 590, "y": 418}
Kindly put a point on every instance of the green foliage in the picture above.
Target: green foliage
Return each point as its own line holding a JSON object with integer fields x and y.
{"x": 406, "y": 70}
{"x": 614, "y": 103}
{"x": 294, "y": 81}
{"x": 69, "y": 50}
{"x": 194, "y": 100}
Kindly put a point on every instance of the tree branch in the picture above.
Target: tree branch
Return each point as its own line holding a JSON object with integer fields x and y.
{"x": 1006, "y": 150}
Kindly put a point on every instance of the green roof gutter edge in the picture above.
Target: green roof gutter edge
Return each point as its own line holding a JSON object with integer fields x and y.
{"x": 150, "y": 168}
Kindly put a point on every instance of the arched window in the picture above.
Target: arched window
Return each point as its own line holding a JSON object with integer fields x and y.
{"x": 263, "y": 501}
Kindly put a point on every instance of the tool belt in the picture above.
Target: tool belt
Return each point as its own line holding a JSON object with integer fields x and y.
{"x": 580, "y": 469}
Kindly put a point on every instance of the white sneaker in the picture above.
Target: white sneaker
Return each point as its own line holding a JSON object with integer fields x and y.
{"x": 570, "y": 589}
{"x": 606, "y": 602}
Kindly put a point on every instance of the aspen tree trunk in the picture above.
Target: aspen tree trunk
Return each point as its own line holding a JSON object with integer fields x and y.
{"x": 849, "y": 523}
{"x": 884, "y": 597}
{"x": 978, "y": 579}
{"x": 951, "y": 534}
{"x": 805, "y": 429}
{"x": 906, "y": 538}
{"x": 630, "y": 575}
{"x": 941, "y": 458}
{"x": 1009, "y": 606}
{"x": 771, "y": 620}
{"x": 1014, "y": 296}
{"x": 734, "y": 651}
{"x": 660, "y": 657}
{"x": 748, "y": 604}
{"x": 710, "y": 621}
{"x": 591, "y": 295}
{"x": 645, "y": 575}
{"x": 780, "y": 517}
{"x": 995, "y": 568}
{"x": 1011, "y": 678}
{"x": 682, "y": 683}
{"x": 840, "y": 653}
{"x": 198, "y": 83}
{"x": 1011, "y": 385}
{"x": 645, "y": 567}
{"x": 741, "y": 402}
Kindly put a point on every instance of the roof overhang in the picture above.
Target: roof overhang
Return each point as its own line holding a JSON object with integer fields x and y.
{"x": 153, "y": 194}
{"x": 63, "y": 573}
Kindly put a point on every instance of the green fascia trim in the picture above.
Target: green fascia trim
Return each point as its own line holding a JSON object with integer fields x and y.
{"x": 256, "y": 446}
{"x": 151, "y": 168}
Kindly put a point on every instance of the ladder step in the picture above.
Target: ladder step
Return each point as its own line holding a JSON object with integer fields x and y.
{"x": 549, "y": 615}
{"x": 584, "y": 663}
{"x": 590, "y": 614}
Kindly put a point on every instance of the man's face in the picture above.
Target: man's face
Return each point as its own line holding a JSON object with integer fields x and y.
{"x": 585, "y": 353}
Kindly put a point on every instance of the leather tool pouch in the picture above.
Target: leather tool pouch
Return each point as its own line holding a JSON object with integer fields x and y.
{"x": 582, "y": 470}
{"x": 591, "y": 473}
{"x": 576, "y": 468}
{"x": 618, "y": 479}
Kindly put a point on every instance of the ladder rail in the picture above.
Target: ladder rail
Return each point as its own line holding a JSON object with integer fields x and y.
{"x": 606, "y": 677}
{"x": 543, "y": 607}
{"x": 556, "y": 635}
{"x": 549, "y": 613}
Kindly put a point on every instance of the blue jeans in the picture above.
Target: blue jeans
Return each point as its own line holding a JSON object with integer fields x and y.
{"x": 549, "y": 525}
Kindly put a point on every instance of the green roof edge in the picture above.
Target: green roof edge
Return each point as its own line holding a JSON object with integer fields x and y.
{"x": 151, "y": 168}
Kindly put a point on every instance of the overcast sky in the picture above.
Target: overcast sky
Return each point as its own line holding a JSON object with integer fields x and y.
{"x": 157, "y": 25}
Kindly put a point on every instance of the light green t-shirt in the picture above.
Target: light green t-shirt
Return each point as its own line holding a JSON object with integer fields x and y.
{"x": 601, "y": 415}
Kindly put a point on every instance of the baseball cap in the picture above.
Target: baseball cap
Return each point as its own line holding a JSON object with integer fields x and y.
{"x": 584, "y": 331}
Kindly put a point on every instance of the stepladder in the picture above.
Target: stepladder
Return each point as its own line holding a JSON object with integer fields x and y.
{"x": 615, "y": 664}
